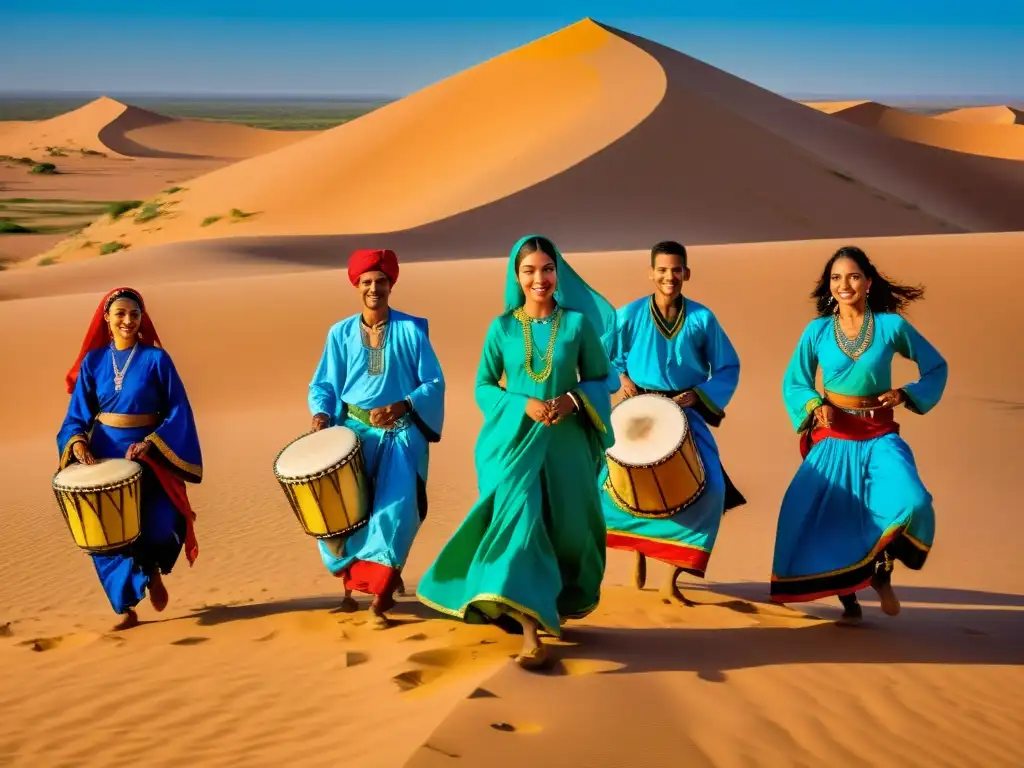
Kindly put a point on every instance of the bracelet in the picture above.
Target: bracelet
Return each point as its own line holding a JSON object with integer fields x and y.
{"x": 575, "y": 402}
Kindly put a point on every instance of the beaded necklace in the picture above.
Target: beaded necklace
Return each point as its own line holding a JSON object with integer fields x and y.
{"x": 525, "y": 320}
{"x": 855, "y": 347}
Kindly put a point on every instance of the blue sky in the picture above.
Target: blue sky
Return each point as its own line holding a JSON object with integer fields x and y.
{"x": 312, "y": 47}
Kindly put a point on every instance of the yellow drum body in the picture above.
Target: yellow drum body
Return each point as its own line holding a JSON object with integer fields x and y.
{"x": 100, "y": 503}
{"x": 654, "y": 468}
{"x": 323, "y": 476}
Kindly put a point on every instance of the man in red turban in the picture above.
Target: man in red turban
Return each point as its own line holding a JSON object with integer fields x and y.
{"x": 379, "y": 377}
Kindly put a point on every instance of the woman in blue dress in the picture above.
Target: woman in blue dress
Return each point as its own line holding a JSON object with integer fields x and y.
{"x": 128, "y": 401}
{"x": 857, "y": 504}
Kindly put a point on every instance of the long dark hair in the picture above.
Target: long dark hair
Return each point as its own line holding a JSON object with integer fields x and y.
{"x": 884, "y": 296}
{"x": 533, "y": 245}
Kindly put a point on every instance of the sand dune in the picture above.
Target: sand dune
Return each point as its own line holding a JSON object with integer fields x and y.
{"x": 621, "y": 124}
{"x": 252, "y": 645}
{"x": 1000, "y": 114}
{"x": 108, "y": 126}
{"x": 976, "y": 136}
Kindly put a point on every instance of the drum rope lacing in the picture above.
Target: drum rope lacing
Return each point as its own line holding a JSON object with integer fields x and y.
{"x": 119, "y": 374}
{"x": 525, "y": 320}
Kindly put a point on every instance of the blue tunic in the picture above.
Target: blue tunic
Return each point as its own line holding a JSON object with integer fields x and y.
{"x": 151, "y": 386}
{"x": 852, "y": 499}
{"x": 350, "y": 381}
{"x": 693, "y": 353}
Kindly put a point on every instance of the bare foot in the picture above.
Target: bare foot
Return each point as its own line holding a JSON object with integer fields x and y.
{"x": 640, "y": 570}
{"x": 400, "y": 587}
{"x": 157, "y": 591}
{"x": 671, "y": 590}
{"x": 534, "y": 654}
{"x": 852, "y": 613}
{"x": 378, "y": 608}
{"x": 886, "y": 595}
{"x": 348, "y": 604}
{"x": 131, "y": 619}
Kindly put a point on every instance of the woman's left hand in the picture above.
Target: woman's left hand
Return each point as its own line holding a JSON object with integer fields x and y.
{"x": 135, "y": 450}
{"x": 892, "y": 398}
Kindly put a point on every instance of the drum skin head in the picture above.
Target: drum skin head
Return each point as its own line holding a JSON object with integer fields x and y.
{"x": 104, "y": 473}
{"x": 647, "y": 428}
{"x": 315, "y": 452}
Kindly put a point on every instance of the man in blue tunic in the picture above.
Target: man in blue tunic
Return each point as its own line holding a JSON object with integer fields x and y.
{"x": 668, "y": 344}
{"x": 379, "y": 376}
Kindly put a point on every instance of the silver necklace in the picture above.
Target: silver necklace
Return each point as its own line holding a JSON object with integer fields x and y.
{"x": 119, "y": 374}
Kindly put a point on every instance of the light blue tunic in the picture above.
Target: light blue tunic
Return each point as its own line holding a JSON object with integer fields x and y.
{"x": 345, "y": 388}
{"x": 693, "y": 354}
{"x": 852, "y": 499}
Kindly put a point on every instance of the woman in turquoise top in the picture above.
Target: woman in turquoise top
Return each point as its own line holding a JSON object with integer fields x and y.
{"x": 532, "y": 549}
{"x": 856, "y": 504}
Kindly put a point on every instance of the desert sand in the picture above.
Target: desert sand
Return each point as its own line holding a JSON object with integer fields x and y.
{"x": 985, "y": 131}
{"x": 253, "y": 663}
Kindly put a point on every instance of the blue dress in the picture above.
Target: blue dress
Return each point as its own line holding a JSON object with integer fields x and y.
{"x": 853, "y": 501}
{"x": 151, "y": 386}
{"x": 351, "y": 380}
{"x": 691, "y": 353}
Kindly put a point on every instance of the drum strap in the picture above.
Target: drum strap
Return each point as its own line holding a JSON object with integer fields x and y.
{"x": 128, "y": 420}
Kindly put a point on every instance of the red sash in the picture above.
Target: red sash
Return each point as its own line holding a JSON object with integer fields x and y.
{"x": 846, "y": 426}
{"x": 174, "y": 487}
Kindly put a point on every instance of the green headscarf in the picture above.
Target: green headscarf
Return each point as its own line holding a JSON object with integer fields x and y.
{"x": 571, "y": 292}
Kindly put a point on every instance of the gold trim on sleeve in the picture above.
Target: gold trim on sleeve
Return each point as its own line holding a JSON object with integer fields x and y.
{"x": 194, "y": 470}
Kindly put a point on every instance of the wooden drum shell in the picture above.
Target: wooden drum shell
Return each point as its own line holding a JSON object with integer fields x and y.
{"x": 102, "y": 518}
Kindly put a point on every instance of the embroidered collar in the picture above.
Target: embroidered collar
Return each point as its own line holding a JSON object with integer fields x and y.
{"x": 667, "y": 328}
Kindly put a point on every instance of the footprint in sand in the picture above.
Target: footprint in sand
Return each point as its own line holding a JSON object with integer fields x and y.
{"x": 416, "y": 678}
{"x": 190, "y": 641}
{"x": 355, "y": 658}
{"x": 41, "y": 644}
{"x": 520, "y": 728}
{"x": 580, "y": 667}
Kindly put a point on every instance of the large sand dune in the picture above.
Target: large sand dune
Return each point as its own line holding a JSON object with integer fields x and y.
{"x": 108, "y": 126}
{"x": 976, "y": 133}
{"x": 600, "y": 138}
{"x": 1000, "y": 114}
{"x": 252, "y": 664}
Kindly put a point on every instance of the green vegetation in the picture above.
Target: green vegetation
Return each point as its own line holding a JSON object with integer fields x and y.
{"x": 8, "y": 227}
{"x": 210, "y": 220}
{"x": 111, "y": 247}
{"x": 117, "y": 209}
{"x": 48, "y": 168}
{"x": 47, "y": 261}
{"x": 172, "y": 190}
{"x": 92, "y": 153}
{"x": 295, "y": 114}
{"x": 148, "y": 212}
{"x": 56, "y": 152}
{"x": 17, "y": 160}
{"x": 239, "y": 214}
{"x": 52, "y": 216}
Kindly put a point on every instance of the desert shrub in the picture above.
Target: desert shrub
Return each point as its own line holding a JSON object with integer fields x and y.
{"x": 49, "y": 168}
{"x": 119, "y": 208}
{"x": 172, "y": 190}
{"x": 47, "y": 261}
{"x": 236, "y": 213}
{"x": 148, "y": 212}
{"x": 9, "y": 227}
{"x": 210, "y": 220}
{"x": 111, "y": 247}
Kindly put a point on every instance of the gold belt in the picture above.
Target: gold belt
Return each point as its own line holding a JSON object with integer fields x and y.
{"x": 853, "y": 402}
{"x": 128, "y": 420}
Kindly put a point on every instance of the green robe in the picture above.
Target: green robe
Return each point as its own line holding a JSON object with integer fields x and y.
{"x": 535, "y": 540}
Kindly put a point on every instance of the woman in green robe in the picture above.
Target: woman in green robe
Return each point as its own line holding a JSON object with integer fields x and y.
{"x": 532, "y": 549}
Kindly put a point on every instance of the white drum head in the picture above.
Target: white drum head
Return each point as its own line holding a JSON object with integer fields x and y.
{"x": 647, "y": 429}
{"x": 105, "y": 472}
{"x": 315, "y": 452}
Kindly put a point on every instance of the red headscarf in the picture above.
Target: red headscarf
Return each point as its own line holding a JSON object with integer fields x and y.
{"x": 98, "y": 334}
{"x": 373, "y": 260}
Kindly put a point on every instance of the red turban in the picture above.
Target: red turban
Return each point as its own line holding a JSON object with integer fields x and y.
{"x": 98, "y": 334}
{"x": 373, "y": 260}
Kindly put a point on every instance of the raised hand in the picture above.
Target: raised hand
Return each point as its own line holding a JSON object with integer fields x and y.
{"x": 321, "y": 421}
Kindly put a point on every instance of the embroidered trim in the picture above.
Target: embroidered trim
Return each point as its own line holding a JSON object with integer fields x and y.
{"x": 374, "y": 355}
{"x": 663, "y": 326}
{"x": 194, "y": 470}
{"x": 707, "y": 402}
{"x": 491, "y": 598}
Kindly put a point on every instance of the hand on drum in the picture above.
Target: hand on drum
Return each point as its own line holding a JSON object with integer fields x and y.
{"x": 321, "y": 421}
{"x": 82, "y": 453}
{"x": 686, "y": 399}
{"x": 135, "y": 450}
{"x": 628, "y": 387}
{"x": 823, "y": 415}
{"x": 892, "y": 398}
{"x": 387, "y": 415}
